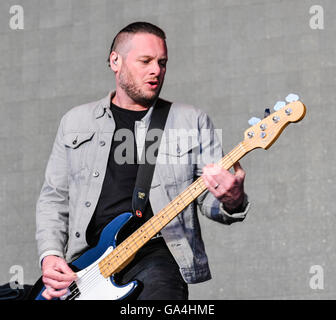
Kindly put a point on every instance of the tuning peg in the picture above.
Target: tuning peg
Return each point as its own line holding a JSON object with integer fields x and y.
{"x": 292, "y": 97}
{"x": 267, "y": 112}
{"x": 253, "y": 121}
{"x": 279, "y": 105}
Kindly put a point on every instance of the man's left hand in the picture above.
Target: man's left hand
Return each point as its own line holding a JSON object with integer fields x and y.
{"x": 228, "y": 188}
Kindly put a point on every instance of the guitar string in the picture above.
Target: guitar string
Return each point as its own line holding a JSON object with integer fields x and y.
{"x": 92, "y": 276}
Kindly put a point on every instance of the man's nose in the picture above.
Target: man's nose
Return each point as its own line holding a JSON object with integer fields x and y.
{"x": 155, "y": 69}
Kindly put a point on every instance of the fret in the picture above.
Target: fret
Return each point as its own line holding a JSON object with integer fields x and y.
{"x": 141, "y": 236}
{"x": 182, "y": 199}
{"x": 158, "y": 224}
{"x": 178, "y": 203}
{"x": 135, "y": 242}
{"x": 228, "y": 157}
{"x": 241, "y": 146}
{"x": 162, "y": 217}
{"x": 159, "y": 221}
{"x": 141, "y": 233}
{"x": 194, "y": 188}
{"x": 201, "y": 186}
{"x": 150, "y": 223}
{"x": 191, "y": 189}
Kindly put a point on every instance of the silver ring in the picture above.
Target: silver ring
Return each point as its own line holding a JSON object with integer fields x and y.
{"x": 216, "y": 186}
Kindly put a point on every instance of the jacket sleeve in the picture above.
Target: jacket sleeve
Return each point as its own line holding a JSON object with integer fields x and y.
{"x": 211, "y": 152}
{"x": 52, "y": 208}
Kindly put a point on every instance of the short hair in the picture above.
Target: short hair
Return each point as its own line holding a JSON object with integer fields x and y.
{"x": 133, "y": 28}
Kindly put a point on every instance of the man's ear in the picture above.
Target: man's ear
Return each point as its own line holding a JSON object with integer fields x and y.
{"x": 114, "y": 61}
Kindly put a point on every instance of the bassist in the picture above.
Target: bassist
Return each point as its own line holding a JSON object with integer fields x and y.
{"x": 87, "y": 185}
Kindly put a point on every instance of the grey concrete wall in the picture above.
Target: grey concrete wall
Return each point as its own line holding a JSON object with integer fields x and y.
{"x": 230, "y": 58}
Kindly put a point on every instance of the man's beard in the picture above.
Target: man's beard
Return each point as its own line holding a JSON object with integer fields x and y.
{"x": 128, "y": 84}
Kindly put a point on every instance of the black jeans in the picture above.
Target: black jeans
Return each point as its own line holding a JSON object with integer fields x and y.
{"x": 158, "y": 274}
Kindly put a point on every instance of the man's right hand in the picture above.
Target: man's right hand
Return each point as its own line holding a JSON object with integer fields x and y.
{"x": 56, "y": 276}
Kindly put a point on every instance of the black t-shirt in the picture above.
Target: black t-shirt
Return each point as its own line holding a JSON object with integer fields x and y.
{"x": 119, "y": 181}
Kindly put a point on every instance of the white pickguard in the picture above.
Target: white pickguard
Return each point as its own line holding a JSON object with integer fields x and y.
{"x": 93, "y": 286}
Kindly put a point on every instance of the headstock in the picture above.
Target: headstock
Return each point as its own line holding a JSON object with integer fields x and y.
{"x": 263, "y": 133}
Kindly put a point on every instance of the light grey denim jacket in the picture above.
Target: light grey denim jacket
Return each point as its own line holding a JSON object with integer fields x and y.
{"x": 76, "y": 170}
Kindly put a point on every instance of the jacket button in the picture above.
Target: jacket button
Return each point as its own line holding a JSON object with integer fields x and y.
{"x": 96, "y": 174}
{"x": 102, "y": 143}
{"x": 87, "y": 203}
{"x": 77, "y": 234}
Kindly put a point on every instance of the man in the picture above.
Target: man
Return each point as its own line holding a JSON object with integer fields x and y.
{"x": 85, "y": 186}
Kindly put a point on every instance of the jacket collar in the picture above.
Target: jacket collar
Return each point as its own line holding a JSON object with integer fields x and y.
{"x": 104, "y": 106}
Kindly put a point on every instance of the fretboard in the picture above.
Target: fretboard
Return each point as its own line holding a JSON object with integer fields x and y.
{"x": 124, "y": 251}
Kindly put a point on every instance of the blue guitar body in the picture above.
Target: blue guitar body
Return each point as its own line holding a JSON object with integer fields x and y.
{"x": 90, "y": 284}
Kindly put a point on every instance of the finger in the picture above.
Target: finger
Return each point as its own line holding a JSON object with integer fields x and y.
{"x": 237, "y": 166}
{"x": 63, "y": 267}
{"x": 46, "y": 295}
{"x": 56, "y": 293}
{"x": 239, "y": 172}
{"x": 56, "y": 284}
{"x": 212, "y": 184}
{"x": 211, "y": 169}
{"x": 58, "y": 276}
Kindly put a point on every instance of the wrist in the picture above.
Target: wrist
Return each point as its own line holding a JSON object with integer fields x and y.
{"x": 46, "y": 258}
{"x": 237, "y": 206}
{"x": 49, "y": 253}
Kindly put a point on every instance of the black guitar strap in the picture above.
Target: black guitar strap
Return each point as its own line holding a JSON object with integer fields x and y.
{"x": 146, "y": 166}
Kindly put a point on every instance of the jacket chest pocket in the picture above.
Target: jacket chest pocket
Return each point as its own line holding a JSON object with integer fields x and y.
{"x": 78, "y": 146}
{"x": 177, "y": 160}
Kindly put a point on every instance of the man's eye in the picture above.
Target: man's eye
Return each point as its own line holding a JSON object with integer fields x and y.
{"x": 145, "y": 61}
